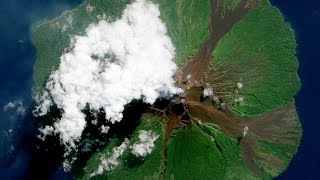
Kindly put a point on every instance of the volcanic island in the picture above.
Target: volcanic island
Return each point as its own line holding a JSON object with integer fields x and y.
{"x": 235, "y": 117}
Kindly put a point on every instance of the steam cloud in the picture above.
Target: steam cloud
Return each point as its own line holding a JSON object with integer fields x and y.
{"x": 113, "y": 64}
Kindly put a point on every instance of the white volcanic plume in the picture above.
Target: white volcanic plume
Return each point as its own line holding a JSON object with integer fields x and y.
{"x": 114, "y": 63}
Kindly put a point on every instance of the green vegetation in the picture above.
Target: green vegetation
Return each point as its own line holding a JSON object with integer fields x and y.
{"x": 204, "y": 152}
{"x": 187, "y": 23}
{"x": 258, "y": 52}
{"x": 283, "y": 149}
{"x": 130, "y": 167}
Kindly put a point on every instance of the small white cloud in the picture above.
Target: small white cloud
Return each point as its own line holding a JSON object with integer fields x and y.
{"x": 21, "y": 110}
{"x": 89, "y": 8}
{"x": 66, "y": 166}
{"x": 46, "y": 131}
{"x": 223, "y": 105}
{"x": 212, "y": 138}
{"x": 245, "y": 131}
{"x": 104, "y": 129}
{"x": 240, "y": 99}
{"x": 102, "y": 17}
{"x": 44, "y": 102}
{"x": 110, "y": 161}
{"x": 70, "y": 19}
{"x": 145, "y": 144}
{"x": 189, "y": 77}
{"x": 10, "y": 105}
{"x": 16, "y": 106}
{"x": 239, "y": 85}
{"x": 64, "y": 28}
{"x": 207, "y": 92}
{"x": 94, "y": 122}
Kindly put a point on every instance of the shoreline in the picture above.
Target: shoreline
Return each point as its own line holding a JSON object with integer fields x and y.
{"x": 34, "y": 25}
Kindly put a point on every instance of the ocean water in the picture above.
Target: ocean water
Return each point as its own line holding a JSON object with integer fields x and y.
{"x": 304, "y": 17}
{"x": 18, "y": 157}
{"x": 17, "y": 55}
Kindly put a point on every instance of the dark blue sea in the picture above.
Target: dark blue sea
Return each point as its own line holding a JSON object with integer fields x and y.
{"x": 304, "y": 17}
{"x": 19, "y": 158}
